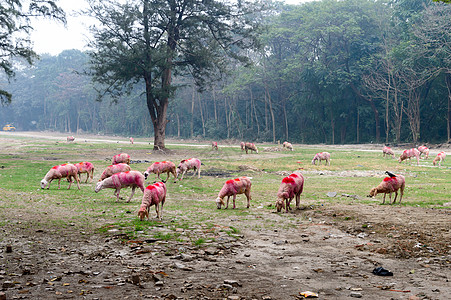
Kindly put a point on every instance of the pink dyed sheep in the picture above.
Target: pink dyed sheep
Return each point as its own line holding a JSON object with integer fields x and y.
{"x": 242, "y": 145}
{"x": 439, "y": 158}
{"x": 424, "y": 150}
{"x": 386, "y": 151}
{"x": 214, "y": 146}
{"x": 407, "y": 154}
{"x": 290, "y": 187}
{"x": 131, "y": 140}
{"x": 68, "y": 171}
{"x": 287, "y": 145}
{"x": 154, "y": 194}
{"x": 188, "y": 164}
{"x": 121, "y": 158}
{"x": 232, "y": 187}
{"x": 113, "y": 169}
{"x": 321, "y": 156}
{"x": 85, "y": 167}
{"x": 250, "y": 146}
{"x": 160, "y": 168}
{"x": 121, "y": 180}
{"x": 70, "y": 139}
{"x": 388, "y": 186}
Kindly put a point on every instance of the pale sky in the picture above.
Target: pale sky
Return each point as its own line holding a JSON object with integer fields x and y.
{"x": 52, "y": 37}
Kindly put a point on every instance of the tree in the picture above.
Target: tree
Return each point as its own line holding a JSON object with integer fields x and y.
{"x": 15, "y": 29}
{"x": 148, "y": 42}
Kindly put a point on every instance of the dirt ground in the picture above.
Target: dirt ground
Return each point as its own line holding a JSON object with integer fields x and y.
{"x": 330, "y": 250}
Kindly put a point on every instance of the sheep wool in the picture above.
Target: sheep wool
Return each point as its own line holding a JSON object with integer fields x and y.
{"x": 291, "y": 186}
{"x": 121, "y": 180}
{"x": 232, "y": 187}
{"x": 113, "y": 169}
{"x": 390, "y": 185}
{"x": 68, "y": 171}
{"x": 161, "y": 168}
{"x": 154, "y": 194}
{"x": 121, "y": 158}
{"x": 86, "y": 167}
{"x": 407, "y": 154}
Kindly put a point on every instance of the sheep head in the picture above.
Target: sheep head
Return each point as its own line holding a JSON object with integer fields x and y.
{"x": 280, "y": 204}
{"x": 43, "y": 183}
{"x": 219, "y": 202}
{"x": 143, "y": 213}
{"x": 98, "y": 186}
{"x": 373, "y": 192}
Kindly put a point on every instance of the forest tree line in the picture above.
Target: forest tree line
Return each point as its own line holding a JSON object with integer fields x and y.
{"x": 352, "y": 71}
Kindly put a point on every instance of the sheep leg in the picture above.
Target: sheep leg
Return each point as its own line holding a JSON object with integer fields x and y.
{"x": 396, "y": 196}
{"x": 198, "y": 173}
{"x": 133, "y": 192}
{"x": 164, "y": 181}
{"x": 194, "y": 173}
{"x": 69, "y": 178}
{"x": 157, "y": 210}
{"x": 390, "y": 198}
{"x": 287, "y": 204}
{"x": 385, "y": 194}
{"x": 118, "y": 190}
{"x": 183, "y": 174}
{"x": 248, "y": 196}
{"x": 59, "y": 182}
{"x": 234, "y": 197}
{"x": 77, "y": 179}
{"x": 402, "y": 193}
{"x": 87, "y": 177}
{"x": 227, "y": 205}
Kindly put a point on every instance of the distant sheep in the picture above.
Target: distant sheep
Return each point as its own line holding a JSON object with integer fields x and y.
{"x": 242, "y": 145}
{"x": 85, "y": 167}
{"x": 250, "y": 146}
{"x": 131, "y": 140}
{"x": 121, "y": 158}
{"x": 121, "y": 180}
{"x": 232, "y": 187}
{"x": 113, "y": 169}
{"x": 291, "y": 186}
{"x": 407, "y": 154}
{"x": 154, "y": 194}
{"x": 214, "y": 146}
{"x": 321, "y": 156}
{"x": 188, "y": 164}
{"x": 70, "y": 139}
{"x": 287, "y": 146}
{"x": 68, "y": 171}
{"x": 388, "y": 186}
{"x": 439, "y": 158}
{"x": 161, "y": 168}
{"x": 386, "y": 151}
{"x": 424, "y": 150}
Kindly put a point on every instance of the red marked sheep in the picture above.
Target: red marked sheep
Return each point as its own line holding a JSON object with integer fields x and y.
{"x": 232, "y": 187}
{"x": 214, "y": 146}
{"x": 250, "y": 146}
{"x": 321, "y": 156}
{"x": 160, "y": 168}
{"x": 287, "y": 146}
{"x": 407, "y": 154}
{"x": 291, "y": 186}
{"x": 154, "y": 194}
{"x": 113, "y": 169}
{"x": 388, "y": 186}
{"x": 386, "y": 151}
{"x": 121, "y": 180}
{"x": 424, "y": 150}
{"x": 439, "y": 158}
{"x": 85, "y": 167}
{"x": 188, "y": 164}
{"x": 121, "y": 158}
{"x": 68, "y": 171}
{"x": 70, "y": 139}
{"x": 131, "y": 140}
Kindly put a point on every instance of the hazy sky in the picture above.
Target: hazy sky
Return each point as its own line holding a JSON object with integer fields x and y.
{"x": 51, "y": 37}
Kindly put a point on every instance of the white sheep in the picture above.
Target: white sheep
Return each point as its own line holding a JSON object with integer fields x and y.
{"x": 291, "y": 186}
{"x": 121, "y": 158}
{"x": 68, "y": 171}
{"x": 439, "y": 158}
{"x": 154, "y": 194}
{"x": 287, "y": 146}
{"x": 386, "y": 151}
{"x": 160, "y": 168}
{"x": 390, "y": 185}
{"x": 321, "y": 156}
{"x": 424, "y": 150}
{"x": 407, "y": 154}
{"x": 121, "y": 180}
{"x": 188, "y": 164}
{"x": 85, "y": 167}
{"x": 113, "y": 169}
{"x": 250, "y": 146}
{"x": 232, "y": 187}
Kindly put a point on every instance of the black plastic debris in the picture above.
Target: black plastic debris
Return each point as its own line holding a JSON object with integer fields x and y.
{"x": 382, "y": 272}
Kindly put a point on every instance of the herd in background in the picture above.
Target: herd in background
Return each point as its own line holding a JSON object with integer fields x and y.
{"x": 119, "y": 175}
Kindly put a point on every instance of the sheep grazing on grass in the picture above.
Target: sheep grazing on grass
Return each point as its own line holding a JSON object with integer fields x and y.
{"x": 188, "y": 164}
{"x": 154, "y": 194}
{"x": 70, "y": 139}
{"x": 232, "y": 187}
{"x": 161, "y": 168}
{"x": 242, "y": 145}
{"x": 68, "y": 171}
{"x": 388, "y": 186}
{"x": 121, "y": 158}
{"x": 287, "y": 146}
{"x": 291, "y": 186}
{"x": 250, "y": 146}
{"x": 113, "y": 169}
{"x": 439, "y": 158}
{"x": 121, "y": 180}
{"x": 407, "y": 154}
{"x": 85, "y": 167}
{"x": 321, "y": 156}
{"x": 424, "y": 150}
{"x": 214, "y": 146}
{"x": 386, "y": 151}
{"x": 131, "y": 140}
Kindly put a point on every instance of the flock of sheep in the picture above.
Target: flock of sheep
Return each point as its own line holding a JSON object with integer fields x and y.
{"x": 119, "y": 175}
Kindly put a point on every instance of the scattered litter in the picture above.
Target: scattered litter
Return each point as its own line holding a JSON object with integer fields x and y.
{"x": 308, "y": 294}
{"x": 331, "y": 194}
{"x": 382, "y": 272}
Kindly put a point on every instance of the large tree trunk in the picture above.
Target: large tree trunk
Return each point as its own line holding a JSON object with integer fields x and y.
{"x": 448, "y": 85}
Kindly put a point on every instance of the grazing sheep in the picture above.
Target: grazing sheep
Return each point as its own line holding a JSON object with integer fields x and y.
{"x": 68, "y": 171}
{"x": 232, "y": 187}
{"x": 121, "y": 158}
{"x": 154, "y": 194}
{"x": 424, "y": 150}
{"x": 287, "y": 145}
{"x": 290, "y": 187}
{"x": 188, "y": 164}
{"x": 70, "y": 139}
{"x": 160, "y": 168}
{"x": 131, "y": 140}
{"x": 388, "y": 151}
{"x": 388, "y": 186}
{"x": 214, "y": 146}
{"x": 321, "y": 156}
{"x": 113, "y": 169}
{"x": 121, "y": 180}
{"x": 439, "y": 158}
{"x": 85, "y": 167}
{"x": 250, "y": 146}
{"x": 242, "y": 145}
{"x": 407, "y": 154}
